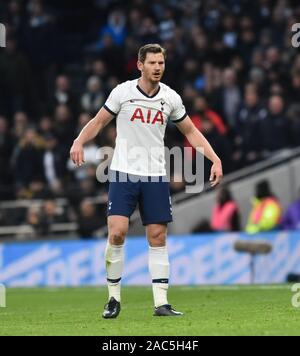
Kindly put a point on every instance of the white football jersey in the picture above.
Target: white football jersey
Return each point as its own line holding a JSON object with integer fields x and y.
{"x": 141, "y": 124}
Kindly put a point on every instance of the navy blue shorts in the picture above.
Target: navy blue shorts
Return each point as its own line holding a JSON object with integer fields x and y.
{"x": 153, "y": 198}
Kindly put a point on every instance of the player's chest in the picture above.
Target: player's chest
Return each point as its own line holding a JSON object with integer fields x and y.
{"x": 139, "y": 112}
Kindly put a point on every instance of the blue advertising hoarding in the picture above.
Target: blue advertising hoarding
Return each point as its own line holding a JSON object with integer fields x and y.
{"x": 194, "y": 260}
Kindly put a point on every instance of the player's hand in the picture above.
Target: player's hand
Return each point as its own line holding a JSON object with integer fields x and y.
{"x": 216, "y": 173}
{"x": 77, "y": 154}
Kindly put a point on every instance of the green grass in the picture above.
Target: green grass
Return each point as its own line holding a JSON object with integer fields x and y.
{"x": 208, "y": 311}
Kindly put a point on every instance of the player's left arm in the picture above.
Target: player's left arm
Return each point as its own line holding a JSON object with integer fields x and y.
{"x": 197, "y": 140}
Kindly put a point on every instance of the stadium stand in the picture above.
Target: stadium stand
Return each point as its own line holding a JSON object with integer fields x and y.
{"x": 235, "y": 67}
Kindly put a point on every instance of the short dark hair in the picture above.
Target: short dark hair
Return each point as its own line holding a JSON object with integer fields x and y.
{"x": 150, "y": 48}
{"x": 263, "y": 189}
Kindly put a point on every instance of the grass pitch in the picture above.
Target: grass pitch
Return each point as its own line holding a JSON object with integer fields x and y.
{"x": 237, "y": 310}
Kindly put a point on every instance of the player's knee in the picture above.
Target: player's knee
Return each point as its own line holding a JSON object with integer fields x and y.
{"x": 117, "y": 236}
{"x": 157, "y": 238}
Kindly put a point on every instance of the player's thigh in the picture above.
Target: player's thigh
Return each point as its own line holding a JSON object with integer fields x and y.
{"x": 117, "y": 229}
{"x": 155, "y": 203}
{"x": 156, "y": 234}
{"x": 122, "y": 198}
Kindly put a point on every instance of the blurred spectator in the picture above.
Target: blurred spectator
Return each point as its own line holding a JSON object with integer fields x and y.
{"x": 294, "y": 89}
{"x": 225, "y": 214}
{"x": 291, "y": 219}
{"x": 98, "y": 68}
{"x": 63, "y": 94}
{"x": 88, "y": 221}
{"x": 211, "y": 125}
{"x": 93, "y": 98}
{"x": 83, "y": 119}
{"x": 248, "y": 140}
{"x": 87, "y": 188}
{"x": 246, "y": 44}
{"x": 166, "y": 26}
{"x": 51, "y": 214}
{"x": 40, "y": 40}
{"x": 229, "y": 31}
{"x": 16, "y": 87}
{"x": 228, "y": 97}
{"x": 147, "y": 32}
{"x": 64, "y": 127}
{"x": 110, "y": 135}
{"x": 28, "y": 158}
{"x": 16, "y": 16}
{"x": 202, "y": 111}
{"x": 274, "y": 127}
{"x": 293, "y": 116}
{"x": 189, "y": 94}
{"x": 134, "y": 19}
{"x": 112, "y": 55}
{"x": 33, "y": 220}
{"x": 41, "y": 220}
{"x": 6, "y": 148}
{"x": 266, "y": 212}
{"x": 257, "y": 78}
{"x": 190, "y": 74}
{"x": 115, "y": 27}
{"x": 54, "y": 164}
{"x": 190, "y": 13}
{"x": 46, "y": 126}
{"x": 20, "y": 124}
{"x": 37, "y": 189}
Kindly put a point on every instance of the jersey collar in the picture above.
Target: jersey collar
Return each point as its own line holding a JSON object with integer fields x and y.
{"x": 145, "y": 94}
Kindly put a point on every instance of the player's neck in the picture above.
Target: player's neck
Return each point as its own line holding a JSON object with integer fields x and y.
{"x": 148, "y": 87}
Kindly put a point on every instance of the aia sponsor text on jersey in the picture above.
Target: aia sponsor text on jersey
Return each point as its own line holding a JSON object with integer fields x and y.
{"x": 150, "y": 117}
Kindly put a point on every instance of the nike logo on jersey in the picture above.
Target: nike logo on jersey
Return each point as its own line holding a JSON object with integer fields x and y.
{"x": 150, "y": 117}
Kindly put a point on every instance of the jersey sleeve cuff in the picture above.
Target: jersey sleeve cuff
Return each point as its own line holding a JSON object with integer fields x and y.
{"x": 110, "y": 111}
{"x": 182, "y": 118}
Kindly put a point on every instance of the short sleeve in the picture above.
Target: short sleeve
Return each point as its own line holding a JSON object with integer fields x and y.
{"x": 113, "y": 102}
{"x": 178, "y": 112}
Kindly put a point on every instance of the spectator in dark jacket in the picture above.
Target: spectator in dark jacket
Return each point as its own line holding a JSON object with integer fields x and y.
{"x": 228, "y": 97}
{"x": 64, "y": 127}
{"x": 6, "y": 148}
{"x": 54, "y": 163}
{"x": 51, "y": 214}
{"x": 274, "y": 128}
{"x": 88, "y": 222}
{"x": 293, "y": 115}
{"x": 93, "y": 98}
{"x": 249, "y": 118}
{"x": 16, "y": 87}
{"x": 28, "y": 166}
{"x": 63, "y": 94}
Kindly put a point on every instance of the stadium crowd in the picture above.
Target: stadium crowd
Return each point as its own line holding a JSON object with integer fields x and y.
{"x": 231, "y": 61}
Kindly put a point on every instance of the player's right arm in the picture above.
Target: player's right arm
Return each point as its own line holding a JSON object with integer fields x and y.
{"x": 90, "y": 130}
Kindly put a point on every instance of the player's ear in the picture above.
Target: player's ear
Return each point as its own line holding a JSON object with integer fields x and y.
{"x": 139, "y": 65}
